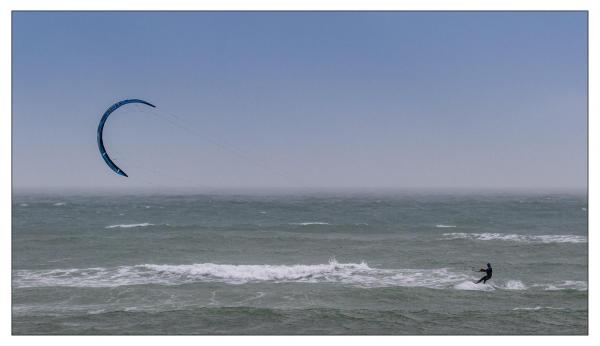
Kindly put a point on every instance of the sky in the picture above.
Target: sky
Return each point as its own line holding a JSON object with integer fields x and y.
{"x": 304, "y": 100}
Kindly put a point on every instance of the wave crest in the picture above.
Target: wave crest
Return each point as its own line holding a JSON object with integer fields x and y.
{"x": 546, "y": 238}
{"x": 356, "y": 274}
{"x": 537, "y": 308}
{"x": 132, "y": 225}
{"x": 309, "y": 223}
{"x": 566, "y": 285}
{"x": 353, "y": 274}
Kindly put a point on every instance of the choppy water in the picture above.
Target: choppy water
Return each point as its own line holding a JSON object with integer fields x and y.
{"x": 337, "y": 264}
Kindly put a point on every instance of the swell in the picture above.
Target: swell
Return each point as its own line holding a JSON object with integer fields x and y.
{"x": 234, "y": 320}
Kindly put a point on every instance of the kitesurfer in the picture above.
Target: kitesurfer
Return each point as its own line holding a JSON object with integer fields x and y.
{"x": 488, "y": 273}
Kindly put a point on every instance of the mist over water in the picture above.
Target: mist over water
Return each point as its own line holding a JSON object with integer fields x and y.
{"x": 299, "y": 264}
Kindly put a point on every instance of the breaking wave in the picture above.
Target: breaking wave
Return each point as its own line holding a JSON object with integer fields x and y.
{"x": 356, "y": 274}
{"x": 309, "y": 223}
{"x": 567, "y": 238}
{"x": 353, "y": 274}
{"x": 537, "y": 308}
{"x": 565, "y": 285}
{"x": 445, "y": 226}
{"x": 145, "y": 224}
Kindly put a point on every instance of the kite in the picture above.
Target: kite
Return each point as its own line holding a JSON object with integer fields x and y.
{"x": 108, "y": 112}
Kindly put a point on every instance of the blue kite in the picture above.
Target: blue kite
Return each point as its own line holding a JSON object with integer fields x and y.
{"x": 103, "y": 152}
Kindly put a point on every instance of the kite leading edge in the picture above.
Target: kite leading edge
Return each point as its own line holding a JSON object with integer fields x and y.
{"x": 103, "y": 152}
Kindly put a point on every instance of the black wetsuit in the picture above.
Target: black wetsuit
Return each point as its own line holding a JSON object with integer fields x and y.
{"x": 488, "y": 274}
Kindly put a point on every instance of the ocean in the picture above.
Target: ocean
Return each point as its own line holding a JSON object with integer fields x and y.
{"x": 333, "y": 263}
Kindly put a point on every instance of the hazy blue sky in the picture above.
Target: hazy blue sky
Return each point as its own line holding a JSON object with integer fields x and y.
{"x": 338, "y": 100}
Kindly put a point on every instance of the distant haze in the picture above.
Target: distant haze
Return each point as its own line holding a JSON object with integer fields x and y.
{"x": 305, "y": 101}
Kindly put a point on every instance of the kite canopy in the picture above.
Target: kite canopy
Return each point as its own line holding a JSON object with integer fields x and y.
{"x": 108, "y": 112}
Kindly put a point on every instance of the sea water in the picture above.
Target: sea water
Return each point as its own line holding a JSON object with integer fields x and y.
{"x": 299, "y": 264}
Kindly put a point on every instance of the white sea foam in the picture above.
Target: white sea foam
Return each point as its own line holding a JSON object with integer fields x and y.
{"x": 565, "y": 285}
{"x": 559, "y": 238}
{"x": 145, "y": 224}
{"x": 537, "y": 308}
{"x": 59, "y": 204}
{"x": 490, "y": 286}
{"x": 309, "y": 223}
{"x": 445, "y": 226}
{"x": 514, "y": 285}
{"x": 353, "y": 274}
{"x": 472, "y": 286}
{"x": 23, "y": 204}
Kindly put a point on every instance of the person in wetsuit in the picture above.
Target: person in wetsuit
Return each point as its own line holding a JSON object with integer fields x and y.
{"x": 488, "y": 273}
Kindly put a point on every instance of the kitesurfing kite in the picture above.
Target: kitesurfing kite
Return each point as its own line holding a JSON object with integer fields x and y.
{"x": 108, "y": 112}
